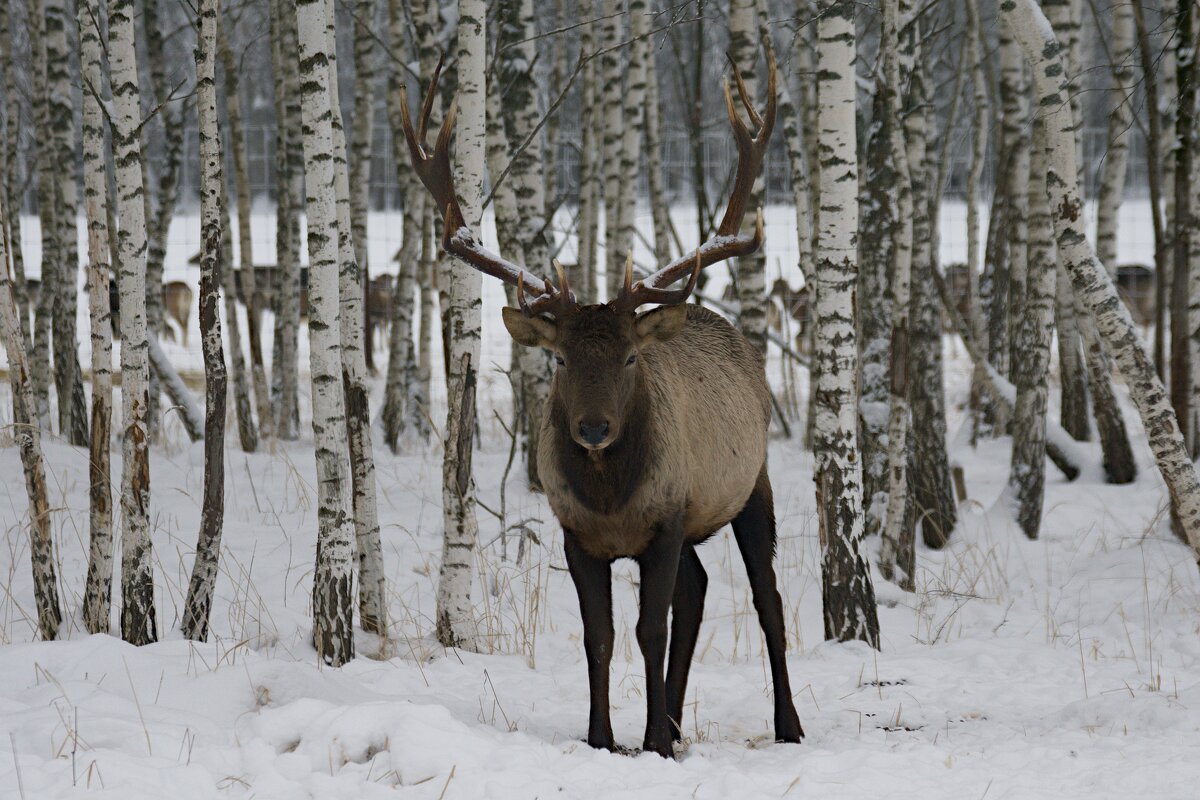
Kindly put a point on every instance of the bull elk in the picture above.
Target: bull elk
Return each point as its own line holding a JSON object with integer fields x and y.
{"x": 654, "y": 435}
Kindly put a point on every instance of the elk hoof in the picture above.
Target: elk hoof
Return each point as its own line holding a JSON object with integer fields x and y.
{"x": 787, "y": 728}
{"x": 601, "y": 742}
{"x": 659, "y": 743}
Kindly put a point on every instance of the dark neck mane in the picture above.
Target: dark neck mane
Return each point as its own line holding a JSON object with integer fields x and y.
{"x": 604, "y": 481}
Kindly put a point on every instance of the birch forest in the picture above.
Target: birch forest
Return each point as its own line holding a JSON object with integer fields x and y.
{"x": 394, "y": 385}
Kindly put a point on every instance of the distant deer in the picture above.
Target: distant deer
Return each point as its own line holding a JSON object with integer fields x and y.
{"x": 177, "y": 302}
{"x": 654, "y": 436}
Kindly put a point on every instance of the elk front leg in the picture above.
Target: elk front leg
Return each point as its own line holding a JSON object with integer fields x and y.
{"x": 658, "y": 565}
{"x": 593, "y": 583}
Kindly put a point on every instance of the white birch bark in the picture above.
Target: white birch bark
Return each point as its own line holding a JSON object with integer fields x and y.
{"x": 43, "y": 315}
{"x": 849, "y": 597}
{"x": 332, "y": 582}
{"x": 68, "y": 379}
{"x": 138, "y": 625}
{"x": 97, "y": 595}
{"x": 360, "y": 157}
{"x": 242, "y": 191}
{"x": 611, "y": 144}
{"x": 660, "y": 211}
{"x": 29, "y": 440}
{"x": 1092, "y": 283}
{"x": 371, "y": 593}
{"x": 289, "y": 155}
{"x": 589, "y": 169}
{"x": 1185, "y": 220}
{"x": 212, "y": 179}
{"x": 13, "y": 175}
{"x": 1116, "y": 155}
{"x": 896, "y": 531}
{"x": 1031, "y": 367}
{"x": 751, "y": 269}
{"x": 632, "y": 128}
{"x": 455, "y": 614}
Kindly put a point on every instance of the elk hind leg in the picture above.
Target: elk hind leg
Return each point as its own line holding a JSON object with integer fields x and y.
{"x": 687, "y": 609}
{"x": 754, "y": 529}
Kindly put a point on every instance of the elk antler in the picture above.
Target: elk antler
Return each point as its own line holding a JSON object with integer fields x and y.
{"x": 727, "y": 243}
{"x": 458, "y": 240}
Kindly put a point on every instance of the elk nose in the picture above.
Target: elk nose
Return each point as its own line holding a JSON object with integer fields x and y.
{"x": 593, "y": 432}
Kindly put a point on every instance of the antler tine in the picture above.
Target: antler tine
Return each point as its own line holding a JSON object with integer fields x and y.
{"x": 567, "y": 299}
{"x": 434, "y": 170}
{"x": 628, "y": 287}
{"x": 727, "y": 243}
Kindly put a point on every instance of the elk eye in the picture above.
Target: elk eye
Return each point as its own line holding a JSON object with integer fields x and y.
{"x": 632, "y": 358}
{"x": 559, "y": 360}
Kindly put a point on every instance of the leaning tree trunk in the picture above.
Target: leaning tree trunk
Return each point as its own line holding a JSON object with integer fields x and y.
{"x": 1031, "y": 367}
{"x": 521, "y": 118}
{"x": 97, "y": 594}
{"x": 371, "y": 591}
{"x": 751, "y": 269}
{"x": 68, "y": 379}
{"x": 897, "y": 548}
{"x": 212, "y": 184}
{"x": 29, "y": 439}
{"x": 1092, "y": 283}
{"x": 455, "y": 616}
{"x": 241, "y": 183}
{"x": 138, "y": 624}
{"x": 289, "y": 161}
{"x": 333, "y": 609}
{"x": 848, "y": 595}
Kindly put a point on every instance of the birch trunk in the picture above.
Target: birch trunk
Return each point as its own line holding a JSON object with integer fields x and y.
{"x": 1185, "y": 220}
{"x": 1031, "y": 369}
{"x": 751, "y": 269}
{"x": 897, "y": 541}
{"x": 289, "y": 161}
{"x": 371, "y": 590}
{"x": 660, "y": 210}
{"x": 611, "y": 71}
{"x": 212, "y": 182}
{"x": 138, "y": 625}
{"x": 68, "y": 379}
{"x": 401, "y": 352}
{"x": 632, "y": 126}
{"x": 29, "y": 439}
{"x": 1091, "y": 281}
{"x": 455, "y": 615}
{"x": 1116, "y": 156}
{"x": 241, "y": 182}
{"x": 876, "y": 252}
{"x": 360, "y": 162}
{"x": 333, "y": 609}
{"x": 13, "y": 176}
{"x": 419, "y": 411}
{"x": 848, "y": 595}
{"x": 97, "y": 595}
{"x": 589, "y": 169}
{"x": 247, "y": 432}
{"x": 43, "y": 317}
{"x": 1014, "y": 96}
{"x": 521, "y": 118}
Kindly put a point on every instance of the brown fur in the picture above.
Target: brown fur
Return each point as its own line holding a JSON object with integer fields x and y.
{"x": 693, "y": 436}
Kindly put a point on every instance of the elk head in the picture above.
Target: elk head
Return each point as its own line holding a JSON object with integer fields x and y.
{"x": 597, "y": 347}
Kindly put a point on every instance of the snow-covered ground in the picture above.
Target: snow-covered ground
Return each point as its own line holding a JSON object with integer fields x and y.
{"x": 1066, "y": 667}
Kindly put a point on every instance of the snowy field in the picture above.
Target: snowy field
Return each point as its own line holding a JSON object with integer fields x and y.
{"x": 1063, "y": 668}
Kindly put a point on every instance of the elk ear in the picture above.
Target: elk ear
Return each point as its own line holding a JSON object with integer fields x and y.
{"x": 660, "y": 324}
{"x": 529, "y": 331}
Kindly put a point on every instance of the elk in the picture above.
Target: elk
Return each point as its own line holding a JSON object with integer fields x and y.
{"x": 654, "y": 435}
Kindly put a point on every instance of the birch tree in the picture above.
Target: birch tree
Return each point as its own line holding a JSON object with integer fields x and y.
{"x": 290, "y": 173}
{"x": 212, "y": 509}
{"x": 247, "y": 432}
{"x": 333, "y": 609}
{"x": 59, "y": 148}
{"x": 897, "y": 543}
{"x": 97, "y": 595}
{"x": 849, "y": 597}
{"x": 1092, "y": 284}
{"x": 1031, "y": 368}
{"x": 589, "y": 167}
{"x": 12, "y": 176}
{"x": 455, "y": 616}
{"x": 360, "y": 155}
{"x": 354, "y": 373}
{"x": 138, "y": 625}
{"x": 611, "y": 71}
{"x": 751, "y": 270}
{"x": 1185, "y": 220}
{"x": 43, "y": 314}
{"x": 246, "y": 268}
{"x": 29, "y": 440}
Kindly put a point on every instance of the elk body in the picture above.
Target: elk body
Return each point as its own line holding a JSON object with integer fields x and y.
{"x": 654, "y": 437}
